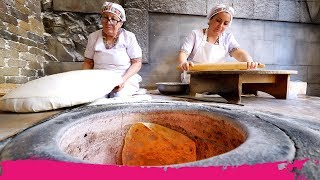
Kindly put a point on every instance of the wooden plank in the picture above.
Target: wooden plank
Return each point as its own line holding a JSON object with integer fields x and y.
{"x": 257, "y": 78}
{"x": 222, "y": 66}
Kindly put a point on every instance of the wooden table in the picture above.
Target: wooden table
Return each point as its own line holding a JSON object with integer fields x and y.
{"x": 230, "y": 84}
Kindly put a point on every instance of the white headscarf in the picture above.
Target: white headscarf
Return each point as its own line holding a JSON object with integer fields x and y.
{"x": 221, "y": 8}
{"x": 115, "y": 9}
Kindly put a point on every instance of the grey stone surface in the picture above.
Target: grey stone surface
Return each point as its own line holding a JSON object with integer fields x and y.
{"x": 284, "y": 50}
{"x": 314, "y": 10}
{"x": 2, "y": 79}
{"x": 17, "y": 79}
{"x": 313, "y": 89}
{"x": 210, "y": 4}
{"x": 138, "y": 23}
{"x": 178, "y": 6}
{"x": 59, "y": 67}
{"x": 57, "y": 49}
{"x": 314, "y": 74}
{"x": 289, "y": 11}
{"x": 138, "y": 4}
{"x": 266, "y": 9}
{"x": 302, "y": 72}
{"x": 84, "y": 6}
{"x": 188, "y": 23}
{"x": 244, "y": 9}
{"x": 304, "y": 14}
{"x": 307, "y": 53}
{"x": 263, "y": 51}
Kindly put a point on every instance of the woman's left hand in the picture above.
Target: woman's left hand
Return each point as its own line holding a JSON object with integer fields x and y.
{"x": 119, "y": 87}
{"x": 252, "y": 65}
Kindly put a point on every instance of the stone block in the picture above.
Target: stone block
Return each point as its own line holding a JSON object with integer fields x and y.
{"x": 24, "y": 25}
{"x": 188, "y": 23}
{"x": 263, "y": 51}
{"x": 164, "y": 25}
{"x": 179, "y": 6}
{"x": 2, "y": 43}
{"x": 8, "y": 36}
{"x": 19, "y": 15}
{"x": 27, "y": 41}
{"x": 2, "y": 61}
{"x": 12, "y": 29}
{"x": 16, "y": 63}
{"x": 8, "y": 18}
{"x": 304, "y": 14}
{"x": 164, "y": 49}
{"x": 210, "y": 4}
{"x": 59, "y": 51}
{"x": 244, "y": 9}
{"x": 3, "y": 7}
{"x": 36, "y": 27}
{"x": 307, "y": 53}
{"x": 313, "y": 74}
{"x": 266, "y": 9}
{"x": 28, "y": 72}
{"x": 34, "y": 65}
{"x": 313, "y": 90}
{"x": 247, "y": 45}
{"x": 35, "y": 37}
{"x": 59, "y": 67}
{"x": 86, "y": 6}
{"x": 2, "y": 79}
{"x": 311, "y": 32}
{"x": 252, "y": 29}
{"x": 17, "y": 79}
{"x": 24, "y": 10}
{"x": 302, "y": 72}
{"x": 36, "y": 51}
{"x": 21, "y": 1}
{"x": 138, "y": 23}
{"x": 10, "y": 53}
{"x": 7, "y": 71}
{"x": 138, "y": 4}
{"x": 314, "y": 10}
{"x": 284, "y": 50}
{"x": 289, "y": 11}
{"x": 27, "y": 56}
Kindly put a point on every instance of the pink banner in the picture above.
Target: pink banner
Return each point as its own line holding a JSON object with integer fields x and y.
{"x": 44, "y": 169}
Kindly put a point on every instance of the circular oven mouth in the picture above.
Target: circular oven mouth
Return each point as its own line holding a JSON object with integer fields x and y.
{"x": 99, "y": 138}
{"x": 94, "y": 134}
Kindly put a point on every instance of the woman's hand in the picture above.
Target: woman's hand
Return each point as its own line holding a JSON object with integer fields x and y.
{"x": 119, "y": 87}
{"x": 252, "y": 65}
{"x": 185, "y": 65}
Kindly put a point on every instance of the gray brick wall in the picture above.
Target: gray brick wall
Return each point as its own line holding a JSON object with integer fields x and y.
{"x": 21, "y": 41}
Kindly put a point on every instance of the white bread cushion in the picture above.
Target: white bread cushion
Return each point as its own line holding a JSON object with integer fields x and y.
{"x": 60, "y": 90}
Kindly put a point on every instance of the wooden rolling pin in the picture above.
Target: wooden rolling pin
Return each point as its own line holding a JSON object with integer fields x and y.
{"x": 221, "y": 66}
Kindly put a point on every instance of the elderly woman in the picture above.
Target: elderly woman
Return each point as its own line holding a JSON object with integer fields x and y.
{"x": 213, "y": 45}
{"x": 116, "y": 49}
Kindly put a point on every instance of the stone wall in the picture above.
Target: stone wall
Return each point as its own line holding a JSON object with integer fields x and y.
{"x": 21, "y": 41}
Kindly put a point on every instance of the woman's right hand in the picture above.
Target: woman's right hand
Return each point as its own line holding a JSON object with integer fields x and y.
{"x": 185, "y": 65}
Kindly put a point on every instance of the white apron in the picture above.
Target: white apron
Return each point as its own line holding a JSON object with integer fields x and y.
{"x": 116, "y": 59}
{"x": 209, "y": 53}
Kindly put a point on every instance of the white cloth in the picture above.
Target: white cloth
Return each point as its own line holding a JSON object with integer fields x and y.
{"x": 115, "y": 9}
{"x": 116, "y": 59}
{"x": 221, "y": 8}
{"x": 193, "y": 41}
{"x": 209, "y": 53}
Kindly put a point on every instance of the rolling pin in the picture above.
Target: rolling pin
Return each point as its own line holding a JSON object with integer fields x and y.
{"x": 221, "y": 66}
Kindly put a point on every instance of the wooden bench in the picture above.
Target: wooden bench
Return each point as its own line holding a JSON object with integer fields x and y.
{"x": 231, "y": 84}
